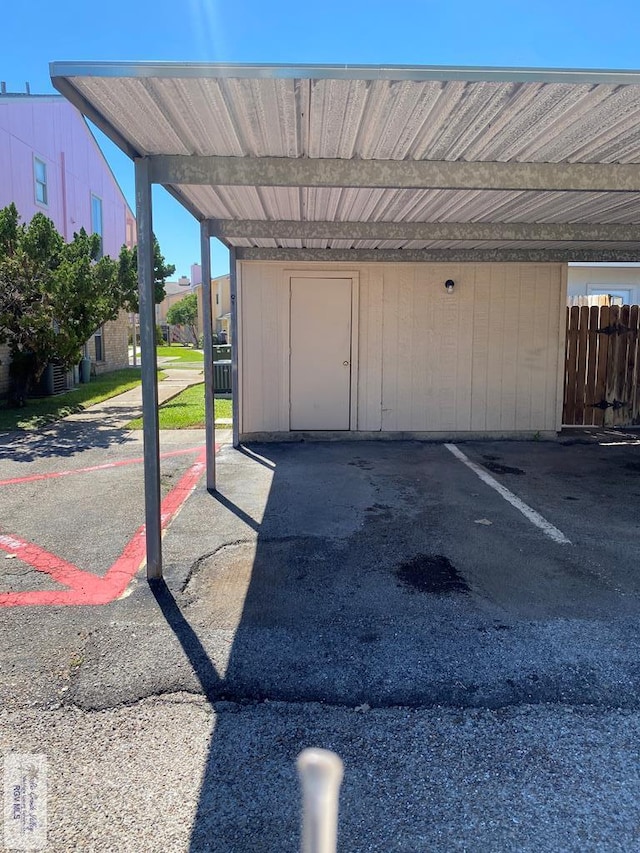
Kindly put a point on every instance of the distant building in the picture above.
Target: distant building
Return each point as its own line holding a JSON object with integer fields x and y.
{"x": 220, "y": 301}
{"x": 52, "y": 164}
{"x": 603, "y": 284}
{"x": 174, "y": 292}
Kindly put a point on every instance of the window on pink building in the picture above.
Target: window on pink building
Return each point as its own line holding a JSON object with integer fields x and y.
{"x": 96, "y": 219}
{"x": 40, "y": 180}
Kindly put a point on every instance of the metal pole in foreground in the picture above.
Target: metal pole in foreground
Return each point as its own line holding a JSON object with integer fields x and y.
{"x": 149, "y": 371}
{"x": 320, "y": 775}
{"x": 209, "y": 391}
{"x": 235, "y": 401}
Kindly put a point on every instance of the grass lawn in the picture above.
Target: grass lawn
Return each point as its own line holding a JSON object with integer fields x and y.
{"x": 45, "y": 410}
{"x": 180, "y": 353}
{"x": 186, "y": 411}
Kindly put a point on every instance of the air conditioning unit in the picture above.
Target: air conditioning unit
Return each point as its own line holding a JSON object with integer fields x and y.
{"x": 222, "y": 376}
{"x": 54, "y": 380}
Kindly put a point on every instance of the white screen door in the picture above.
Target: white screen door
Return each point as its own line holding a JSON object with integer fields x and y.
{"x": 320, "y": 361}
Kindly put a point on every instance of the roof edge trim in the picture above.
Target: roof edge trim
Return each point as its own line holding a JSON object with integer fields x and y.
{"x": 614, "y": 77}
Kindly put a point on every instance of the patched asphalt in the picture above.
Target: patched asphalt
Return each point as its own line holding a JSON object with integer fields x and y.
{"x": 495, "y": 670}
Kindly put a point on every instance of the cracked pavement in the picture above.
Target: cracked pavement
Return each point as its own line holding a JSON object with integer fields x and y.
{"x": 502, "y": 716}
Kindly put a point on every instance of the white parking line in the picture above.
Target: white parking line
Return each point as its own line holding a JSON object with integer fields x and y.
{"x": 534, "y": 517}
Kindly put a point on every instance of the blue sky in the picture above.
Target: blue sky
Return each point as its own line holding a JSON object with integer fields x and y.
{"x": 560, "y": 34}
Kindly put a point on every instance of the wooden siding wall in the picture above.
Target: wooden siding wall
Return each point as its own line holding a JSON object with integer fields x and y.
{"x": 115, "y": 345}
{"x": 486, "y": 358}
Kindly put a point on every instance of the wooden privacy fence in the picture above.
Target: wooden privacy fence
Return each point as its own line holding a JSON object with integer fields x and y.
{"x": 602, "y": 375}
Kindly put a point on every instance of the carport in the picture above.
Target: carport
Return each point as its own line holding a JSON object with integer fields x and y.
{"x": 411, "y": 185}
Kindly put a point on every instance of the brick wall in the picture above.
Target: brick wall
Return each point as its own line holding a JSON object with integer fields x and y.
{"x": 115, "y": 345}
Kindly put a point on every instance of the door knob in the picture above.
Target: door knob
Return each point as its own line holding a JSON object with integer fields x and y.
{"x": 346, "y": 363}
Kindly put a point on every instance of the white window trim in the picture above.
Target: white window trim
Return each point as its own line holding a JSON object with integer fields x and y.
{"x": 44, "y": 204}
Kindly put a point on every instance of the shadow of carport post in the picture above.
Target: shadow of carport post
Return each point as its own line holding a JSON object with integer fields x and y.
{"x": 200, "y": 661}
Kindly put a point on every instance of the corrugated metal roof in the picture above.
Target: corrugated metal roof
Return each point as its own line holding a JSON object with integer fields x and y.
{"x": 369, "y": 119}
{"x": 470, "y": 115}
{"x": 350, "y": 205}
{"x": 265, "y": 243}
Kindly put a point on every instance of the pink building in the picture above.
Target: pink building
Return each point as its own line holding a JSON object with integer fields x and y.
{"x": 50, "y": 162}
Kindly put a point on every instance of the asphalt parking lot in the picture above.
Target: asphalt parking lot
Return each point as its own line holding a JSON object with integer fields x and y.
{"x": 66, "y": 497}
{"x": 410, "y": 609}
{"x": 81, "y": 499}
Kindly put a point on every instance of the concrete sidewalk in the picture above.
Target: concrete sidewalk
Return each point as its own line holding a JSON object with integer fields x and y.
{"x": 118, "y": 411}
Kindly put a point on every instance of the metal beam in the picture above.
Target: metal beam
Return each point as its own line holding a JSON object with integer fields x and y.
{"x": 151, "y": 435}
{"x": 209, "y": 390}
{"x": 442, "y": 255}
{"x": 393, "y": 174}
{"x": 235, "y": 394}
{"x": 252, "y": 71}
{"x": 294, "y": 230}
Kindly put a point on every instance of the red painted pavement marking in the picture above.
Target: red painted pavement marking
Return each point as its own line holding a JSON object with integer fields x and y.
{"x": 59, "y": 569}
{"x": 15, "y": 480}
{"x": 85, "y": 587}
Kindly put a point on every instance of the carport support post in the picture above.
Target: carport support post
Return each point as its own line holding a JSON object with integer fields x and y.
{"x": 233, "y": 287}
{"x": 209, "y": 391}
{"x": 149, "y": 370}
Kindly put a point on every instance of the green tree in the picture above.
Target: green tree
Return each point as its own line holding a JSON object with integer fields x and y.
{"x": 28, "y": 259}
{"x": 128, "y": 275}
{"x": 185, "y": 313}
{"x": 53, "y": 295}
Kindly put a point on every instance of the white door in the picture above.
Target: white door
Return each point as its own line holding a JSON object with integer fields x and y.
{"x": 320, "y": 360}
